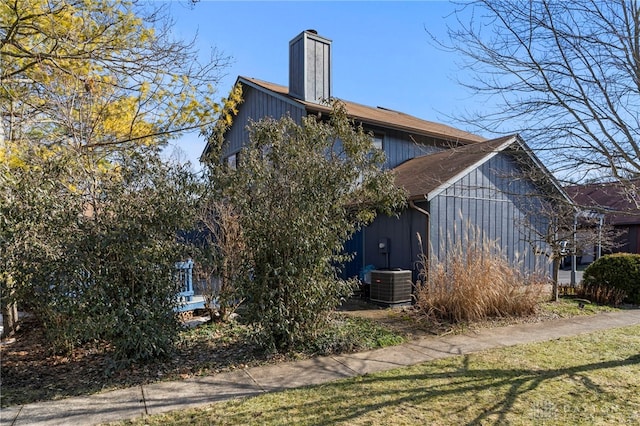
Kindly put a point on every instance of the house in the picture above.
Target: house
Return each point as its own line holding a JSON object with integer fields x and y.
{"x": 619, "y": 207}
{"x": 452, "y": 177}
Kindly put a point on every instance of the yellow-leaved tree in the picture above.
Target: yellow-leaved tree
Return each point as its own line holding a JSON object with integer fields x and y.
{"x": 100, "y": 72}
{"x": 90, "y": 90}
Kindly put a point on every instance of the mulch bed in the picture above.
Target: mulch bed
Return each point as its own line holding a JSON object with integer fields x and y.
{"x": 30, "y": 372}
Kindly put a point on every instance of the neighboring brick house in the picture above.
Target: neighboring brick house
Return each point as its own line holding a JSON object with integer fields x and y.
{"x": 452, "y": 176}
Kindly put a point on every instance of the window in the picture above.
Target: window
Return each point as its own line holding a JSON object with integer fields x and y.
{"x": 232, "y": 161}
{"x": 378, "y": 141}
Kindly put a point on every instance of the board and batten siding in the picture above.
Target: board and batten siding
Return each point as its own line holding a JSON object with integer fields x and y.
{"x": 398, "y": 146}
{"x": 497, "y": 199}
{"x": 310, "y": 67}
{"x": 401, "y": 232}
{"x": 255, "y": 106}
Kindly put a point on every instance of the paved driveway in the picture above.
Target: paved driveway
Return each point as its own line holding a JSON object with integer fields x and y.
{"x": 564, "y": 277}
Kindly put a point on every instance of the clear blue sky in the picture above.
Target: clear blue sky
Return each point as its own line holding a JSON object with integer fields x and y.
{"x": 381, "y": 51}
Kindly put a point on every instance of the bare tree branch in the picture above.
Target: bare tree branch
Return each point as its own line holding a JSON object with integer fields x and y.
{"x": 566, "y": 76}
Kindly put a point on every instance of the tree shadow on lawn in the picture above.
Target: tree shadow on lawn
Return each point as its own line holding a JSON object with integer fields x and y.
{"x": 506, "y": 387}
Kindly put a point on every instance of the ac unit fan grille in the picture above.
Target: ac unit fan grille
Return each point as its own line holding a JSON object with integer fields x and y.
{"x": 390, "y": 287}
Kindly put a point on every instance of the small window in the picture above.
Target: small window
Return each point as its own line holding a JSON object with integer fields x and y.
{"x": 232, "y": 161}
{"x": 378, "y": 141}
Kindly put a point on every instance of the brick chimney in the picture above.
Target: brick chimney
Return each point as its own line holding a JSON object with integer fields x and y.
{"x": 310, "y": 67}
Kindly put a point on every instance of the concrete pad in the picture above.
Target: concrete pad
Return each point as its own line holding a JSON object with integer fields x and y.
{"x": 198, "y": 391}
{"x": 559, "y": 328}
{"x": 382, "y": 359}
{"x": 471, "y": 342}
{"x": 487, "y": 341}
{"x": 515, "y": 335}
{"x": 512, "y": 335}
{"x": 297, "y": 374}
{"x": 94, "y": 409}
{"x": 604, "y": 321}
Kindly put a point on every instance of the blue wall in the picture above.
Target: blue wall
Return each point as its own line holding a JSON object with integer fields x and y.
{"x": 494, "y": 197}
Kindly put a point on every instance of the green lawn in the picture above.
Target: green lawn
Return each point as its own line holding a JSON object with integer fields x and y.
{"x": 592, "y": 379}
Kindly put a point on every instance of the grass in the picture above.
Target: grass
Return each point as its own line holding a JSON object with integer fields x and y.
{"x": 584, "y": 380}
{"x": 568, "y": 306}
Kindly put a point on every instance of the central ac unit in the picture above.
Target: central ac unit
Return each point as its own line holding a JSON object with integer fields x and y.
{"x": 390, "y": 287}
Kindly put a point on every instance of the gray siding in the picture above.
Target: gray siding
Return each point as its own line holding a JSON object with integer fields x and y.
{"x": 404, "y": 248}
{"x": 493, "y": 197}
{"x": 257, "y": 105}
{"x": 399, "y": 147}
{"x": 488, "y": 197}
{"x": 497, "y": 199}
{"x": 310, "y": 67}
{"x": 296, "y": 68}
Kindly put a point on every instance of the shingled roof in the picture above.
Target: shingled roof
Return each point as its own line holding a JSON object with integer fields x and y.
{"x": 611, "y": 197}
{"x": 377, "y": 116}
{"x": 424, "y": 177}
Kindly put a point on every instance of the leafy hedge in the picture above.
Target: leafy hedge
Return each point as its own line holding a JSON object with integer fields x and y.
{"x": 104, "y": 273}
{"x": 613, "y": 278}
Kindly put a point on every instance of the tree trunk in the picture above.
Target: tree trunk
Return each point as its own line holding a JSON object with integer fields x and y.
{"x": 9, "y": 319}
{"x": 9, "y": 307}
{"x": 554, "y": 290}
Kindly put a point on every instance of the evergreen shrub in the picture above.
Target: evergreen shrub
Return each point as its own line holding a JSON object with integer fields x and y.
{"x": 613, "y": 279}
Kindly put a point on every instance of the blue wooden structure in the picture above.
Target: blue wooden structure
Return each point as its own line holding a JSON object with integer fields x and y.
{"x": 187, "y": 300}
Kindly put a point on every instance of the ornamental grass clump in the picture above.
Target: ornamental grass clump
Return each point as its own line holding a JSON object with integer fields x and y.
{"x": 474, "y": 282}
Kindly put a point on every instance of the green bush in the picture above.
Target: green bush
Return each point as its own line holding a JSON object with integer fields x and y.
{"x": 99, "y": 266}
{"x": 300, "y": 193}
{"x": 613, "y": 278}
{"x": 345, "y": 334}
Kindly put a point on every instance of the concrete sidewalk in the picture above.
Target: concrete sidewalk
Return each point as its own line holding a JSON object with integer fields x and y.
{"x": 199, "y": 391}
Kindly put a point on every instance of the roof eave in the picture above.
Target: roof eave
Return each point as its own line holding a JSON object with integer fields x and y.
{"x": 315, "y": 108}
{"x": 247, "y": 82}
{"x": 285, "y": 98}
{"x": 548, "y": 175}
{"x": 444, "y": 185}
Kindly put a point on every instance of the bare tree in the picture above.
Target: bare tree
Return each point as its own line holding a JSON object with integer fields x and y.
{"x": 223, "y": 273}
{"x": 560, "y": 229}
{"x": 566, "y": 75}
